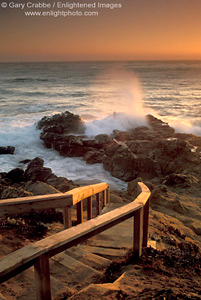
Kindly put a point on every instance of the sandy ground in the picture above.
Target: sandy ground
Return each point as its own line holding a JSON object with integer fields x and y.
{"x": 173, "y": 271}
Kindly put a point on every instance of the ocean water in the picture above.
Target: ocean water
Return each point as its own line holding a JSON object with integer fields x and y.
{"x": 107, "y": 95}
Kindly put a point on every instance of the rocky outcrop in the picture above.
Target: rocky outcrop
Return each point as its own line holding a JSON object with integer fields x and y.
{"x": 40, "y": 188}
{"x": 120, "y": 162}
{"x": 133, "y": 187}
{"x": 16, "y": 175}
{"x": 181, "y": 180}
{"x": 191, "y": 138}
{"x": 7, "y": 150}
{"x": 60, "y": 125}
{"x": 145, "y": 151}
{"x": 37, "y": 172}
{"x": 7, "y": 191}
{"x": 35, "y": 180}
{"x": 160, "y": 127}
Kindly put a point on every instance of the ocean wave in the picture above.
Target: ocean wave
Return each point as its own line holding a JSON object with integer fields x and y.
{"x": 27, "y": 143}
{"x": 27, "y": 79}
{"x": 170, "y": 91}
{"x": 30, "y": 94}
{"x": 119, "y": 121}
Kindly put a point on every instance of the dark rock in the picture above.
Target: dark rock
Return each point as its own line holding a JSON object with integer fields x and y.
{"x": 16, "y": 175}
{"x": 12, "y": 192}
{"x": 25, "y": 161}
{"x": 191, "y": 138}
{"x": 160, "y": 127}
{"x": 56, "y": 129}
{"x": 133, "y": 187}
{"x": 6, "y": 181}
{"x": 146, "y": 152}
{"x": 94, "y": 156}
{"x": 40, "y": 188}
{"x": 71, "y": 146}
{"x": 63, "y": 123}
{"x": 93, "y": 144}
{"x": 3, "y": 175}
{"x": 120, "y": 159}
{"x": 174, "y": 147}
{"x": 163, "y": 188}
{"x": 7, "y": 150}
{"x": 157, "y": 199}
{"x": 61, "y": 183}
{"x": 147, "y": 164}
{"x": 142, "y": 147}
{"x": 175, "y": 156}
{"x": 197, "y": 230}
{"x": 144, "y": 133}
{"x": 122, "y": 136}
{"x": 181, "y": 180}
{"x": 36, "y": 172}
{"x": 177, "y": 206}
{"x": 48, "y": 138}
{"x": 103, "y": 139}
{"x": 36, "y": 162}
{"x": 115, "y": 198}
{"x": 120, "y": 162}
{"x": 35, "y": 180}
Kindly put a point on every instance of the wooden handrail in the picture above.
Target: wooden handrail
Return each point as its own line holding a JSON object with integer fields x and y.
{"x": 38, "y": 253}
{"x": 66, "y": 200}
{"x": 26, "y": 204}
{"x": 80, "y": 193}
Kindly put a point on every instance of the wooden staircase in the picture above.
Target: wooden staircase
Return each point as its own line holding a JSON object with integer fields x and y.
{"x": 76, "y": 268}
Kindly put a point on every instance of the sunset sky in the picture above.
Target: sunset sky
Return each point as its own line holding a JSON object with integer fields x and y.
{"x": 140, "y": 30}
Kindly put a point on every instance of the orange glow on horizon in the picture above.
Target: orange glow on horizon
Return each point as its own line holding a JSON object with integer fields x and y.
{"x": 141, "y": 30}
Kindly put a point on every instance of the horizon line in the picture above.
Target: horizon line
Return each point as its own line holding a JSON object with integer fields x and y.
{"x": 104, "y": 60}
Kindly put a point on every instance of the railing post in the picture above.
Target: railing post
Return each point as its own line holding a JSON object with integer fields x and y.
{"x": 67, "y": 217}
{"x": 104, "y": 198}
{"x": 145, "y": 224}
{"x": 108, "y": 194}
{"x": 97, "y": 204}
{"x": 80, "y": 212}
{"x": 42, "y": 277}
{"x": 138, "y": 232}
{"x": 89, "y": 208}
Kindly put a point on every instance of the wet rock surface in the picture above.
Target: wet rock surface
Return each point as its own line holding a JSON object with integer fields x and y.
{"x": 35, "y": 180}
{"x": 167, "y": 162}
{"x": 148, "y": 151}
{"x": 20, "y": 183}
{"x": 63, "y": 123}
{"x": 7, "y": 150}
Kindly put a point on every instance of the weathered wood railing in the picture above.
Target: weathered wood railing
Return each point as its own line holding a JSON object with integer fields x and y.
{"x": 38, "y": 253}
{"x": 61, "y": 200}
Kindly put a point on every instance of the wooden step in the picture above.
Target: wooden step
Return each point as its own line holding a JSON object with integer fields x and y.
{"x": 22, "y": 287}
{"x": 110, "y": 244}
{"x": 98, "y": 292}
{"x": 105, "y": 252}
{"x": 94, "y": 261}
{"x": 72, "y": 272}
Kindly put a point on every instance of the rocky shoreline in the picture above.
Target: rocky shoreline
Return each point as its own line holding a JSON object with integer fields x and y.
{"x": 152, "y": 151}
{"x": 34, "y": 180}
{"x": 166, "y": 161}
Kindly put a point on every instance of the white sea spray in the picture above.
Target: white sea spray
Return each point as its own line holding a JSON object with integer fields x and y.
{"x": 109, "y": 95}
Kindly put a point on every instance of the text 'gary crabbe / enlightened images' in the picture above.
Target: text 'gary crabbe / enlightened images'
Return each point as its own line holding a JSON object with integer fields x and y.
{"x": 56, "y": 9}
